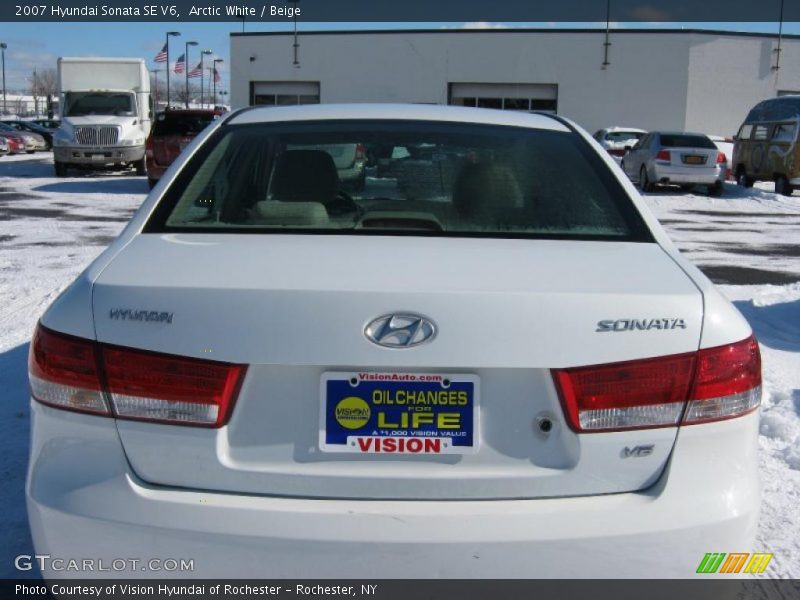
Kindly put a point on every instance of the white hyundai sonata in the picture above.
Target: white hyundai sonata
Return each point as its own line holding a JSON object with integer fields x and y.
{"x": 488, "y": 362}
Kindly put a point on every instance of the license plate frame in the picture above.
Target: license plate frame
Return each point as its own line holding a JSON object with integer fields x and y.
{"x": 694, "y": 159}
{"x": 372, "y": 408}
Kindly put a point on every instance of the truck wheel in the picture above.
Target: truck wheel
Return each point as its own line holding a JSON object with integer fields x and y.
{"x": 61, "y": 169}
{"x": 141, "y": 167}
{"x": 782, "y": 186}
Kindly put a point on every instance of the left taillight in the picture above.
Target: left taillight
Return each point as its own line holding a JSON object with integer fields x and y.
{"x": 82, "y": 375}
{"x": 64, "y": 372}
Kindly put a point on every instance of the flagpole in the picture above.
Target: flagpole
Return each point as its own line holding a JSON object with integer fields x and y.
{"x": 202, "y": 56}
{"x": 169, "y": 34}
{"x": 214, "y": 75}
{"x": 186, "y": 57}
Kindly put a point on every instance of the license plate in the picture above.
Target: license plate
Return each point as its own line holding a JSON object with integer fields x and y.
{"x": 694, "y": 160}
{"x": 399, "y": 413}
{"x": 98, "y": 157}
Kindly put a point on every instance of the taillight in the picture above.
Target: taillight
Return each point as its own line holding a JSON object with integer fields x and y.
{"x": 727, "y": 382}
{"x": 663, "y": 155}
{"x": 64, "y": 372}
{"x": 617, "y": 151}
{"x": 721, "y": 158}
{"x": 78, "y": 374}
{"x": 712, "y": 384}
{"x": 360, "y": 152}
{"x": 170, "y": 389}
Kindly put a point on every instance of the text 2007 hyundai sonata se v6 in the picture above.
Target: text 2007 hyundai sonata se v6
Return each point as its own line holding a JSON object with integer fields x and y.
{"x": 489, "y": 362}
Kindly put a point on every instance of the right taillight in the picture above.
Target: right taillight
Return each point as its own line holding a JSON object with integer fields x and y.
{"x": 82, "y": 375}
{"x": 708, "y": 385}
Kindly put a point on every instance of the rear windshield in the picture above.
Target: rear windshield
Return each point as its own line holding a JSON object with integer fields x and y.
{"x": 624, "y": 136}
{"x": 398, "y": 177}
{"x": 181, "y": 124}
{"x": 686, "y": 141}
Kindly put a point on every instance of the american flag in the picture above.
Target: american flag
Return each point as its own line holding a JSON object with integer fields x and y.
{"x": 197, "y": 71}
{"x": 217, "y": 77}
{"x": 180, "y": 64}
{"x": 161, "y": 56}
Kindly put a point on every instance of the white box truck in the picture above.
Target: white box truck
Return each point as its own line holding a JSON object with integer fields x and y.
{"x": 106, "y": 112}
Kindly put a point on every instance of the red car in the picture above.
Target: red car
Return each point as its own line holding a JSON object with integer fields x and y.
{"x": 172, "y": 132}
{"x": 16, "y": 144}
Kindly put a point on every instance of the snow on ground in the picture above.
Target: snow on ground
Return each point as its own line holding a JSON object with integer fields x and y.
{"x": 748, "y": 240}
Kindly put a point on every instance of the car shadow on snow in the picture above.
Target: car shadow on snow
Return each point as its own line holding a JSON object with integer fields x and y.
{"x": 15, "y": 538}
{"x": 120, "y": 185}
{"x": 775, "y": 325}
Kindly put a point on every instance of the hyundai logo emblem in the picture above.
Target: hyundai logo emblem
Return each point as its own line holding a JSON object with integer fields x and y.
{"x": 400, "y": 330}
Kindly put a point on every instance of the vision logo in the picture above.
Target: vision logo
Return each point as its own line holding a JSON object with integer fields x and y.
{"x": 735, "y": 562}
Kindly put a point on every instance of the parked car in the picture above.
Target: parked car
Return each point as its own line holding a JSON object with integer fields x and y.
{"x": 766, "y": 145}
{"x": 618, "y": 140}
{"x": 47, "y": 123}
{"x": 171, "y": 133}
{"x": 32, "y": 141}
{"x": 274, "y": 376}
{"x": 678, "y": 158}
{"x": 16, "y": 144}
{"x": 29, "y": 127}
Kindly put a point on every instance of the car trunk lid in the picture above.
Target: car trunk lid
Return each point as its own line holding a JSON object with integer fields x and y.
{"x": 295, "y": 309}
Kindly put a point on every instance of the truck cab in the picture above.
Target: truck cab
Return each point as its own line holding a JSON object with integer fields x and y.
{"x": 106, "y": 113}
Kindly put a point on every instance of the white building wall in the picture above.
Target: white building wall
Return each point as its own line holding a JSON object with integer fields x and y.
{"x": 704, "y": 82}
{"x": 728, "y": 75}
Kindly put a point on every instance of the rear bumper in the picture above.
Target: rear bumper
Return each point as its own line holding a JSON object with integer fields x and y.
{"x": 84, "y": 502}
{"x": 687, "y": 175}
{"x": 82, "y": 155}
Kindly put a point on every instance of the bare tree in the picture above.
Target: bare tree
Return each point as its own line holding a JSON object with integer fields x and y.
{"x": 44, "y": 82}
{"x": 178, "y": 93}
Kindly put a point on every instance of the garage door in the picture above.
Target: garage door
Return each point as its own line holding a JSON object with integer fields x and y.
{"x": 507, "y": 96}
{"x": 284, "y": 93}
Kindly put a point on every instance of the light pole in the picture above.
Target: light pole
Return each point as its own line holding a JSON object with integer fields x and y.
{"x": 186, "y": 70}
{"x": 169, "y": 35}
{"x": 202, "y": 56}
{"x": 214, "y": 75}
{"x": 155, "y": 84}
{"x": 3, "y": 47}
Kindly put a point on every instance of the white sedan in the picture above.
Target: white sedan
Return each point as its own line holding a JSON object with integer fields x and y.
{"x": 504, "y": 372}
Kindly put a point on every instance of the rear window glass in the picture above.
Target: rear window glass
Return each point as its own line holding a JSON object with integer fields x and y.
{"x": 181, "y": 124}
{"x": 623, "y": 136}
{"x": 417, "y": 178}
{"x": 685, "y": 141}
{"x": 761, "y": 132}
{"x": 784, "y": 132}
